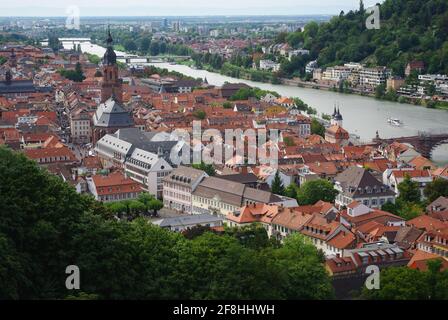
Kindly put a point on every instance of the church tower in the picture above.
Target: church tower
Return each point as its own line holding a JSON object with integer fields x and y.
{"x": 13, "y": 59}
{"x": 112, "y": 85}
{"x": 337, "y": 119}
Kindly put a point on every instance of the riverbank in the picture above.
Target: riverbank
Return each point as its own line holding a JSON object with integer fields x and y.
{"x": 270, "y": 78}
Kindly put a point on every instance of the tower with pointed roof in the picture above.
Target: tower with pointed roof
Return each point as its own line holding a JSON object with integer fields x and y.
{"x": 12, "y": 59}
{"x": 112, "y": 85}
{"x": 337, "y": 119}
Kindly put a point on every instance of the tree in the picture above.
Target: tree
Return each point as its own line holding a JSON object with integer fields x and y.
{"x": 54, "y": 43}
{"x": 199, "y": 114}
{"x": 277, "y": 185}
{"x": 301, "y": 264}
{"x": 403, "y": 283}
{"x": 227, "y": 105}
{"x": 253, "y": 236}
{"x": 317, "y": 128}
{"x": 291, "y": 191}
{"x": 46, "y": 226}
{"x": 118, "y": 208}
{"x": 76, "y": 75}
{"x": 145, "y": 198}
{"x": 313, "y": 191}
{"x": 409, "y": 190}
{"x": 145, "y": 43}
{"x": 289, "y": 141}
{"x": 380, "y": 91}
{"x": 435, "y": 189}
{"x": 154, "y": 48}
{"x": 361, "y": 7}
{"x": 130, "y": 45}
{"x": 155, "y": 205}
{"x": 409, "y": 210}
{"x": 400, "y": 284}
{"x": 208, "y": 168}
{"x": 136, "y": 207}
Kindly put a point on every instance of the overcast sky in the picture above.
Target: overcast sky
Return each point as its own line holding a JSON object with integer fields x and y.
{"x": 176, "y": 7}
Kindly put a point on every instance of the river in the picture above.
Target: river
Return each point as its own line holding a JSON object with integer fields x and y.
{"x": 362, "y": 115}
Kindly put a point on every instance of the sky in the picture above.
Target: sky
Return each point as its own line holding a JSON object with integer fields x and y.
{"x": 176, "y": 7}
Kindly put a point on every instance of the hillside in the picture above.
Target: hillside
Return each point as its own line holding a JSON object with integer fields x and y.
{"x": 46, "y": 226}
{"x": 410, "y": 30}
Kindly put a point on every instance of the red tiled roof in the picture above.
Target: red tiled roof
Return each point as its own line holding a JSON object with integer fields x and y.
{"x": 115, "y": 183}
{"x": 44, "y": 153}
{"x": 427, "y": 223}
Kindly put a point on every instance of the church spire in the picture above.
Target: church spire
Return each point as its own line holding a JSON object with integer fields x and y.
{"x": 110, "y": 57}
{"x": 109, "y": 40}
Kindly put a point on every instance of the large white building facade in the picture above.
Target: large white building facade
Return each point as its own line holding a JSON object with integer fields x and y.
{"x": 142, "y": 159}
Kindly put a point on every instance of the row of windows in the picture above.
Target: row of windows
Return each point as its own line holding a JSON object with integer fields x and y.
{"x": 121, "y": 196}
{"x": 174, "y": 186}
{"x": 216, "y": 204}
{"x": 176, "y": 195}
{"x": 52, "y": 159}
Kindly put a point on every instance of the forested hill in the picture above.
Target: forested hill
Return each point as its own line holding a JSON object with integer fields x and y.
{"x": 410, "y": 30}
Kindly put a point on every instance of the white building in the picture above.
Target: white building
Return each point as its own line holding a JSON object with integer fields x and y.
{"x": 183, "y": 223}
{"x": 311, "y": 66}
{"x": 178, "y": 187}
{"x": 373, "y": 77}
{"x": 336, "y": 74}
{"x": 358, "y": 184}
{"x": 393, "y": 177}
{"x": 80, "y": 126}
{"x": 299, "y": 52}
{"x": 269, "y": 65}
{"x": 144, "y": 160}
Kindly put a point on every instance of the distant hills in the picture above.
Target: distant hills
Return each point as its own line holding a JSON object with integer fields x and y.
{"x": 410, "y": 30}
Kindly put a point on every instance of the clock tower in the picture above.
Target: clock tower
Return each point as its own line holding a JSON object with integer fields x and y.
{"x": 112, "y": 85}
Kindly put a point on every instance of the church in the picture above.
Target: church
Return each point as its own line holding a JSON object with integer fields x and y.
{"x": 110, "y": 115}
{"x": 336, "y": 133}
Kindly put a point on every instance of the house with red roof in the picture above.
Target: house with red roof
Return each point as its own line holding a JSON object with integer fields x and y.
{"x": 113, "y": 187}
{"x": 51, "y": 155}
{"x": 393, "y": 178}
{"x": 358, "y": 214}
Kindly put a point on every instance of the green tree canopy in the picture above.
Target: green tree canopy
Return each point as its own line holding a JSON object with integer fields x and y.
{"x": 313, "y": 191}
{"x": 437, "y": 188}
{"x": 277, "y": 186}
{"x": 409, "y": 190}
{"x": 403, "y": 283}
{"x": 46, "y": 226}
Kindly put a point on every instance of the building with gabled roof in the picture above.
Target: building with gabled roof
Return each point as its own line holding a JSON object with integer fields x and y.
{"x": 113, "y": 187}
{"x": 179, "y": 186}
{"x": 358, "y": 184}
{"x": 144, "y": 160}
{"x": 109, "y": 117}
{"x": 358, "y": 214}
{"x": 223, "y": 197}
{"x": 393, "y": 178}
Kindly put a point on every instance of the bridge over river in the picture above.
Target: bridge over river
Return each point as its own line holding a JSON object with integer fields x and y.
{"x": 135, "y": 59}
{"x": 424, "y": 142}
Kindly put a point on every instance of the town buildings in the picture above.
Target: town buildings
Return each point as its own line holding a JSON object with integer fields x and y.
{"x": 358, "y": 184}
{"x": 223, "y": 197}
{"x": 179, "y": 186}
{"x": 143, "y": 160}
{"x": 113, "y": 187}
{"x": 184, "y": 223}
